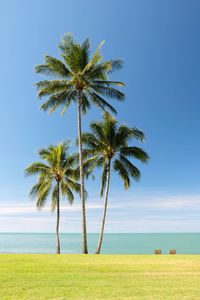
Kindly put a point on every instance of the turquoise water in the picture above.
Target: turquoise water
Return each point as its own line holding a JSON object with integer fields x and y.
{"x": 113, "y": 243}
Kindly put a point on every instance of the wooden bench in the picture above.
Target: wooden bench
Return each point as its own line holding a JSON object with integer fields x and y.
{"x": 158, "y": 251}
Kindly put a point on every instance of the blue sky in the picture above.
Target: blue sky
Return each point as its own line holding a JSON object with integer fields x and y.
{"x": 159, "y": 42}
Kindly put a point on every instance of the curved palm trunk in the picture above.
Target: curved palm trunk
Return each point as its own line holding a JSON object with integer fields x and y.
{"x": 105, "y": 208}
{"x": 84, "y": 234}
{"x": 58, "y": 219}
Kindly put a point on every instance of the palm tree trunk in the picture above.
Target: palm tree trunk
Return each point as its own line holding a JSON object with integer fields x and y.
{"x": 58, "y": 219}
{"x": 84, "y": 234}
{"x": 105, "y": 208}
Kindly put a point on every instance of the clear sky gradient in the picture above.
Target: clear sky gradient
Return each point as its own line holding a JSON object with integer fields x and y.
{"x": 160, "y": 44}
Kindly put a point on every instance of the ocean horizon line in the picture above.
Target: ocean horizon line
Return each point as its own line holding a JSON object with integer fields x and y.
{"x": 167, "y": 232}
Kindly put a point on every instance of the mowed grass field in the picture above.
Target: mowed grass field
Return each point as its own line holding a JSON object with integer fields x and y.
{"x": 27, "y": 276}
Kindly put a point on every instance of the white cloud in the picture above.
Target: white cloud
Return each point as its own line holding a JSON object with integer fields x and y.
{"x": 138, "y": 212}
{"x": 31, "y": 209}
{"x": 153, "y": 201}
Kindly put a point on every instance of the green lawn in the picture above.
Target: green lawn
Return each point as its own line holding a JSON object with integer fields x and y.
{"x": 27, "y": 276}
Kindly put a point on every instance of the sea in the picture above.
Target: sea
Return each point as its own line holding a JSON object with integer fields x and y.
{"x": 113, "y": 243}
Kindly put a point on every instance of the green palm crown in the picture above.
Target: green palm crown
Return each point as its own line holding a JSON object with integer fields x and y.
{"x": 108, "y": 142}
{"x": 57, "y": 170}
{"x": 78, "y": 74}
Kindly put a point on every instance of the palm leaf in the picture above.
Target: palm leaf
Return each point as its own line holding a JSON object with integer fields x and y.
{"x": 55, "y": 101}
{"x": 132, "y": 170}
{"x": 94, "y": 60}
{"x": 100, "y": 102}
{"x": 116, "y": 65}
{"x": 121, "y": 170}
{"x": 108, "y": 83}
{"x": 43, "y": 193}
{"x": 53, "y": 66}
{"x": 135, "y": 152}
{"x": 37, "y": 168}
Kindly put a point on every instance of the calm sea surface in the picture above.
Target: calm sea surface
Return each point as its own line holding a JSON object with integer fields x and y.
{"x": 117, "y": 243}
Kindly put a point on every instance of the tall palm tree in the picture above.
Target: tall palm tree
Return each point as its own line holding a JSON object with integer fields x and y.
{"x": 80, "y": 80}
{"x": 54, "y": 176}
{"x": 107, "y": 147}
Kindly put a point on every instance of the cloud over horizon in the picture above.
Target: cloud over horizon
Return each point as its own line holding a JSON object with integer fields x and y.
{"x": 156, "y": 211}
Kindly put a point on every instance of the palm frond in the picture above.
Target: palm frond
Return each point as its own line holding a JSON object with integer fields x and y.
{"x": 97, "y": 129}
{"x": 66, "y": 41}
{"x": 37, "y": 168}
{"x": 109, "y": 92}
{"x": 94, "y": 60}
{"x": 66, "y": 192}
{"x": 55, "y": 101}
{"x": 100, "y": 102}
{"x": 72, "y": 173}
{"x": 138, "y": 134}
{"x": 116, "y": 65}
{"x": 97, "y": 72}
{"x": 85, "y": 52}
{"x": 71, "y": 98}
{"x": 74, "y": 58}
{"x": 108, "y": 83}
{"x": 70, "y": 161}
{"x": 35, "y": 188}
{"x": 124, "y": 134}
{"x": 45, "y": 70}
{"x": 43, "y": 194}
{"x": 44, "y": 153}
{"x": 75, "y": 186}
{"x": 135, "y": 152}
{"x": 132, "y": 170}
{"x": 47, "y": 88}
{"x": 88, "y": 153}
{"x": 91, "y": 163}
{"x": 53, "y": 66}
{"x": 89, "y": 140}
{"x": 121, "y": 170}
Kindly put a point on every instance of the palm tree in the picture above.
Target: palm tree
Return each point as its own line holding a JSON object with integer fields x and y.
{"x": 83, "y": 81}
{"x": 54, "y": 176}
{"x": 108, "y": 143}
